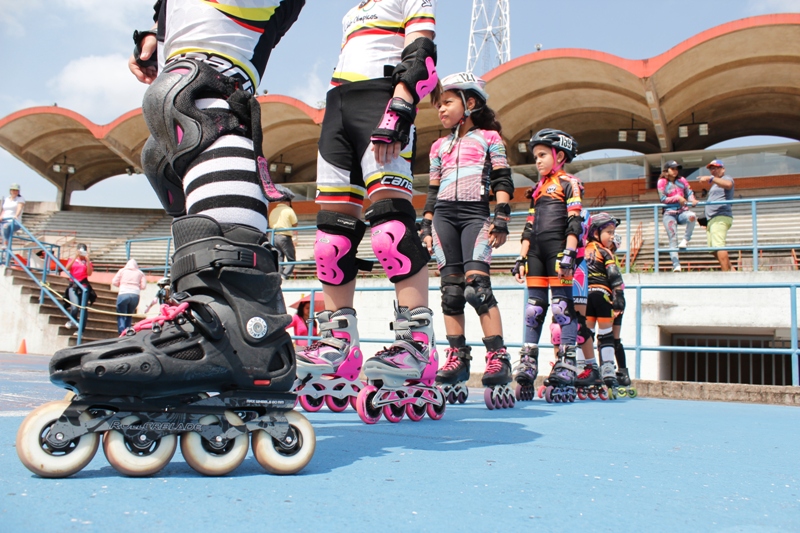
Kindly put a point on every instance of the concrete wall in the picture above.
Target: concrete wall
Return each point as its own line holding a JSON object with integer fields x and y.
{"x": 664, "y": 312}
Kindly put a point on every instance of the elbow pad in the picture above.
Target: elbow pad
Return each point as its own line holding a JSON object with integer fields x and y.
{"x": 430, "y": 203}
{"x": 527, "y": 231}
{"x": 500, "y": 179}
{"x": 614, "y": 277}
{"x": 417, "y": 69}
{"x": 574, "y": 226}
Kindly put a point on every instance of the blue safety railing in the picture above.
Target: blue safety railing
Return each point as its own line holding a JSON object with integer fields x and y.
{"x": 10, "y": 258}
{"x": 165, "y": 268}
{"x": 794, "y": 352}
{"x": 624, "y": 250}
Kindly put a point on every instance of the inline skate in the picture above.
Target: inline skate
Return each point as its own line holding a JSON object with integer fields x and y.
{"x": 525, "y": 373}
{"x": 560, "y": 385}
{"x": 589, "y": 384}
{"x": 224, "y": 333}
{"x": 453, "y": 376}
{"x": 615, "y": 387}
{"x": 328, "y": 370}
{"x": 496, "y": 378}
{"x": 401, "y": 377}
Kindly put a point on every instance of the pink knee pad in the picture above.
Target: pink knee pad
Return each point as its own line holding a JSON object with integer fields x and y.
{"x": 386, "y": 239}
{"x": 555, "y": 333}
{"x": 329, "y": 250}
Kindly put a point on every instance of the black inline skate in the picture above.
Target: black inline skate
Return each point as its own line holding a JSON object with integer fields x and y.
{"x": 624, "y": 383}
{"x": 589, "y": 384}
{"x": 560, "y": 385}
{"x": 609, "y": 374}
{"x": 223, "y": 334}
{"x": 453, "y": 376}
{"x": 496, "y": 378}
{"x": 525, "y": 373}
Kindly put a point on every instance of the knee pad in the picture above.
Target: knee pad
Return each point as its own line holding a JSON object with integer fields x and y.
{"x": 535, "y": 311}
{"x": 563, "y": 310}
{"x": 584, "y": 333}
{"x": 453, "y": 301}
{"x": 167, "y": 185}
{"x": 555, "y": 333}
{"x": 338, "y": 237}
{"x": 478, "y": 293}
{"x": 395, "y": 240}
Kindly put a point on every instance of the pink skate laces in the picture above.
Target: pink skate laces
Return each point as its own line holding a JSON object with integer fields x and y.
{"x": 494, "y": 363}
{"x": 452, "y": 359}
{"x": 168, "y": 314}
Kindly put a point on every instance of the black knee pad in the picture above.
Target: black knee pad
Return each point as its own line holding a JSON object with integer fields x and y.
{"x": 395, "y": 240}
{"x": 605, "y": 340}
{"x": 584, "y": 333}
{"x": 335, "y": 248}
{"x": 478, "y": 293}
{"x": 453, "y": 301}
{"x": 564, "y": 310}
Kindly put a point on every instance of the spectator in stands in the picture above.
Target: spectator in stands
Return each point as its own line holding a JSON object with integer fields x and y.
{"x": 13, "y": 204}
{"x": 674, "y": 190}
{"x": 300, "y": 323}
{"x": 80, "y": 267}
{"x": 281, "y": 215}
{"x": 162, "y": 296}
{"x": 719, "y": 218}
{"x": 131, "y": 281}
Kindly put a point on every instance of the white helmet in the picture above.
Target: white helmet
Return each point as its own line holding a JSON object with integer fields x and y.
{"x": 465, "y": 81}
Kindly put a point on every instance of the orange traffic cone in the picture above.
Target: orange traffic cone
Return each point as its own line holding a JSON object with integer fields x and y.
{"x": 23, "y": 348}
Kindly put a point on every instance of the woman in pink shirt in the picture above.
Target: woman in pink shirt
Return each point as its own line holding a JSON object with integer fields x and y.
{"x": 80, "y": 267}
{"x": 300, "y": 324}
{"x": 130, "y": 281}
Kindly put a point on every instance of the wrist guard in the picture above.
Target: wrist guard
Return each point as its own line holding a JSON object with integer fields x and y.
{"x": 138, "y": 37}
{"x": 618, "y": 303}
{"x": 520, "y": 266}
{"x": 502, "y": 215}
{"x": 426, "y": 228}
{"x": 566, "y": 261}
{"x": 396, "y": 123}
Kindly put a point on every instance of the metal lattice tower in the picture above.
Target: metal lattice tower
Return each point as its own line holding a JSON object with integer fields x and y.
{"x": 489, "y": 36}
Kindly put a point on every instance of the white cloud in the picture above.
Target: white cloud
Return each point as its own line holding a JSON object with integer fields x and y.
{"x": 312, "y": 92}
{"x": 12, "y": 12}
{"x": 115, "y": 15}
{"x": 99, "y": 87}
{"x": 774, "y": 6}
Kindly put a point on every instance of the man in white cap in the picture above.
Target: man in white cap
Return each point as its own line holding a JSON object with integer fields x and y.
{"x": 281, "y": 215}
{"x": 720, "y": 216}
{"x": 13, "y": 204}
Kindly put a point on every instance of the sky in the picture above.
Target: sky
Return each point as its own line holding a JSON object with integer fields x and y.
{"x": 74, "y": 53}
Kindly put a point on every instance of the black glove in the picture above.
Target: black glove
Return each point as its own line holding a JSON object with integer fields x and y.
{"x": 502, "y": 214}
{"x": 618, "y": 303}
{"x": 426, "y": 228}
{"x": 396, "y": 123}
{"x": 520, "y": 266}
{"x": 138, "y": 37}
{"x": 566, "y": 262}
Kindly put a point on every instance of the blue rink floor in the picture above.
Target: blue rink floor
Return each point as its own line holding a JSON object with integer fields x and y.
{"x": 627, "y": 465}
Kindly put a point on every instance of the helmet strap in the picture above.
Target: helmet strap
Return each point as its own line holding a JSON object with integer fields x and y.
{"x": 556, "y": 164}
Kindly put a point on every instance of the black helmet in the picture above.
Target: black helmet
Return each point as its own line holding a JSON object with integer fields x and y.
{"x": 556, "y": 139}
{"x": 672, "y": 164}
{"x": 597, "y": 223}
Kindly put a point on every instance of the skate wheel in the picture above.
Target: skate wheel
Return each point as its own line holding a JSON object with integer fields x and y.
{"x": 571, "y": 396}
{"x": 510, "y": 402}
{"x": 541, "y": 391}
{"x": 309, "y": 403}
{"x": 130, "y": 458}
{"x": 393, "y": 413}
{"x": 548, "y": 394}
{"x": 436, "y": 411}
{"x": 337, "y": 405}
{"x": 462, "y": 397}
{"x": 621, "y": 392}
{"x": 582, "y": 394}
{"x": 602, "y": 394}
{"x": 368, "y": 413}
{"x": 451, "y": 397}
{"x": 632, "y": 393}
{"x": 210, "y": 459}
{"x": 43, "y": 460}
{"x": 277, "y": 459}
{"x": 415, "y": 413}
{"x": 591, "y": 395}
{"x": 519, "y": 392}
{"x": 488, "y": 399}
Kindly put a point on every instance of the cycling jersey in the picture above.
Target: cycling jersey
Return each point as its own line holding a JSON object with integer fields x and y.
{"x": 598, "y": 258}
{"x": 553, "y": 197}
{"x": 374, "y": 36}
{"x": 670, "y": 193}
{"x": 463, "y": 165}
{"x": 235, "y": 37}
